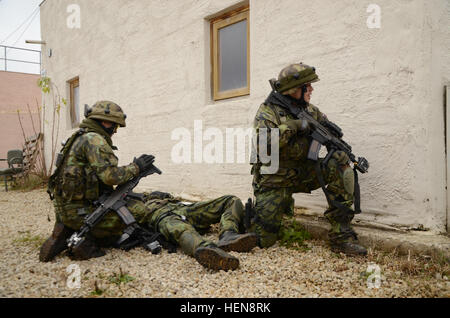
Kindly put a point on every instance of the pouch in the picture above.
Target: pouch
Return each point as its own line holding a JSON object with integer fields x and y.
{"x": 73, "y": 186}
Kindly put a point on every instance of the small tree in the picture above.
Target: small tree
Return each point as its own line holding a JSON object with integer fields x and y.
{"x": 48, "y": 87}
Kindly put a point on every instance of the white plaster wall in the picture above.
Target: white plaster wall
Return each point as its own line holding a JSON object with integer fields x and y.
{"x": 382, "y": 86}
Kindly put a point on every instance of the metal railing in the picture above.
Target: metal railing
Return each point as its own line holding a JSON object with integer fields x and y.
{"x": 5, "y": 58}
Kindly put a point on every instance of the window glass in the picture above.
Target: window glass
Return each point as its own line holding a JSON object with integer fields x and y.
{"x": 230, "y": 76}
{"x": 233, "y": 56}
{"x": 76, "y": 104}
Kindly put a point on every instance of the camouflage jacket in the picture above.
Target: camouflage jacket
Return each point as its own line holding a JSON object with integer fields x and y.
{"x": 90, "y": 168}
{"x": 293, "y": 146}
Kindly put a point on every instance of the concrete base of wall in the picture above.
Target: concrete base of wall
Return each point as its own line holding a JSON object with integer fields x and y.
{"x": 386, "y": 238}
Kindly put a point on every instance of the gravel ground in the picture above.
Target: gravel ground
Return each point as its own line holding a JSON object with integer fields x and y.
{"x": 27, "y": 218}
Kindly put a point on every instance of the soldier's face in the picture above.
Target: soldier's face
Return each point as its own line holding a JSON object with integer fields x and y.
{"x": 110, "y": 126}
{"x": 298, "y": 93}
{"x": 309, "y": 90}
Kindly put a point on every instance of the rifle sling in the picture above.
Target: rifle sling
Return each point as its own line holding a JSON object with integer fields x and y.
{"x": 357, "y": 195}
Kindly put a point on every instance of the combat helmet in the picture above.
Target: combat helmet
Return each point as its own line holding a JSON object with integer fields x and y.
{"x": 106, "y": 110}
{"x": 293, "y": 76}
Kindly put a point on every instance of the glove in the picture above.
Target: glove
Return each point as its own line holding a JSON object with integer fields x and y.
{"x": 341, "y": 157}
{"x": 158, "y": 195}
{"x": 299, "y": 125}
{"x": 144, "y": 162}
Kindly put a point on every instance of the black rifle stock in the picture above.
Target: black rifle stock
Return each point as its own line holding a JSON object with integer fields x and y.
{"x": 114, "y": 201}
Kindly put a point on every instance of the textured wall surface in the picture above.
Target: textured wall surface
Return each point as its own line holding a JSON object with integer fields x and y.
{"x": 383, "y": 86}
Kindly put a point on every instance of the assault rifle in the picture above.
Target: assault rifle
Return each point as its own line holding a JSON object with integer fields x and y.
{"x": 326, "y": 134}
{"x": 114, "y": 201}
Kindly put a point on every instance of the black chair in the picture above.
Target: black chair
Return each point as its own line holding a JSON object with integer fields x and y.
{"x": 15, "y": 165}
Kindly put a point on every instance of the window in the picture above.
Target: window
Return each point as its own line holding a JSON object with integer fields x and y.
{"x": 74, "y": 102}
{"x": 230, "y": 54}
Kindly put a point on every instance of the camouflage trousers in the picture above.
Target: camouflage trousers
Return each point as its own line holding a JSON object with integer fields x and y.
{"x": 184, "y": 224}
{"x": 178, "y": 222}
{"x": 272, "y": 202}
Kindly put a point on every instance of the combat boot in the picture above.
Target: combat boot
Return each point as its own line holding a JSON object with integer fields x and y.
{"x": 341, "y": 233}
{"x": 86, "y": 250}
{"x": 349, "y": 249}
{"x": 56, "y": 243}
{"x": 213, "y": 257}
{"x": 232, "y": 241}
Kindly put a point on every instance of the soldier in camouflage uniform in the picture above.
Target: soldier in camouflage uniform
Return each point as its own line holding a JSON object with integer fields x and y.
{"x": 273, "y": 191}
{"x": 184, "y": 223}
{"x": 89, "y": 168}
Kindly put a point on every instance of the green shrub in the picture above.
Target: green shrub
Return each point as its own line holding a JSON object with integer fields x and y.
{"x": 120, "y": 278}
{"x": 293, "y": 235}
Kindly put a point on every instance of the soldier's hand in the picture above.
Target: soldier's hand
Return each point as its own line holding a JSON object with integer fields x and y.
{"x": 144, "y": 162}
{"x": 341, "y": 157}
{"x": 300, "y": 125}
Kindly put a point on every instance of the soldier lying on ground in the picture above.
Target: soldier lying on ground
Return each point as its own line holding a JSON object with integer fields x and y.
{"x": 88, "y": 168}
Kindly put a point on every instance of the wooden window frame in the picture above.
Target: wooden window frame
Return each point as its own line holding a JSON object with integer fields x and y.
{"x": 218, "y": 23}
{"x": 72, "y": 85}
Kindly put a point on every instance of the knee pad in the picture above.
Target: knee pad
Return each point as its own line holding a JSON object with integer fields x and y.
{"x": 187, "y": 243}
{"x": 237, "y": 209}
{"x": 348, "y": 177}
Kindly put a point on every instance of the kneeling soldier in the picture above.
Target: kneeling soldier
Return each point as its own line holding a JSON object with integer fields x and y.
{"x": 296, "y": 173}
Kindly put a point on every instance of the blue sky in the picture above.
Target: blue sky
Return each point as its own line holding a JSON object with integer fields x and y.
{"x": 19, "y": 21}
